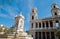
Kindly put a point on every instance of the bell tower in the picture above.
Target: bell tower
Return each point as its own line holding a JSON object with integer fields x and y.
{"x": 33, "y": 15}
{"x": 55, "y": 10}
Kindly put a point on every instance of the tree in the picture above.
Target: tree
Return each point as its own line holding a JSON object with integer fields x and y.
{"x": 58, "y": 33}
{"x": 0, "y": 29}
{"x": 3, "y": 29}
{"x": 10, "y": 30}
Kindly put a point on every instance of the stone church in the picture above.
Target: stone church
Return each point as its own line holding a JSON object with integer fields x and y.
{"x": 45, "y": 28}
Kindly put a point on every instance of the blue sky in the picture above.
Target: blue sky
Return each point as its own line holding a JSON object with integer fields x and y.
{"x": 10, "y": 8}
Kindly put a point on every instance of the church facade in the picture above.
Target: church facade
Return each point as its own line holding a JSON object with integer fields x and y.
{"x": 45, "y": 28}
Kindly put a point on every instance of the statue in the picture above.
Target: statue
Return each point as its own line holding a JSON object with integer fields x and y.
{"x": 20, "y": 20}
{"x": 19, "y": 23}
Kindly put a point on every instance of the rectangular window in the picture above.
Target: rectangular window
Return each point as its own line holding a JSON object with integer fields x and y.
{"x": 36, "y": 25}
{"x": 39, "y": 25}
{"x": 43, "y": 24}
{"x": 32, "y": 17}
{"x": 51, "y": 23}
{"x": 47, "y": 24}
{"x": 52, "y": 35}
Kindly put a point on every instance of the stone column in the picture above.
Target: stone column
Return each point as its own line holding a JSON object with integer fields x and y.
{"x": 38, "y": 35}
{"x": 50, "y": 35}
{"x": 34, "y": 35}
{"x": 45, "y": 36}
{"x": 54, "y": 25}
{"x": 33, "y": 25}
{"x": 55, "y": 35}
{"x": 34, "y": 31}
{"x": 41, "y": 25}
{"x": 49, "y": 24}
{"x": 45, "y": 24}
{"x": 59, "y": 24}
{"x": 41, "y": 35}
{"x": 38, "y": 24}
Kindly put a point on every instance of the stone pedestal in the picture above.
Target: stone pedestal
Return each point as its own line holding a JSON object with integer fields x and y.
{"x": 23, "y": 35}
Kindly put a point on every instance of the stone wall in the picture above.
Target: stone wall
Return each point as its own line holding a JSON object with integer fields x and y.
{"x": 3, "y": 36}
{"x": 6, "y": 36}
{"x": 11, "y": 36}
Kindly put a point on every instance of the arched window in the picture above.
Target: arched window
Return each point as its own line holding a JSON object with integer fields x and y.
{"x": 56, "y": 13}
{"x": 54, "y": 6}
{"x": 32, "y": 17}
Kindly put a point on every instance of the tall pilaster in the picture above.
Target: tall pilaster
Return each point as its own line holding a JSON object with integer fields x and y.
{"x": 50, "y": 35}
{"x": 41, "y": 35}
{"x": 59, "y": 24}
{"x": 34, "y": 31}
{"x": 45, "y": 36}
{"x": 38, "y": 35}
{"x": 49, "y": 24}
{"x": 38, "y": 25}
{"x": 45, "y": 24}
{"x": 41, "y": 25}
{"x": 54, "y": 25}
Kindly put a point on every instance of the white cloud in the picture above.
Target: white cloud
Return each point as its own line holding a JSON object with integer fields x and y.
{"x": 3, "y": 15}
{"x": 11, "y": 13}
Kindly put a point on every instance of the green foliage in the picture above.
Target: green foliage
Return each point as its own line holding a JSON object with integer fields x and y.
{"x": 58, "y": 33}
{"x": 3, "y": 36}
{"x": 10, "y": 30}
{"x": 3, "y": 30}
{"x": 0, "y": 29}
{"x": 6, "y": 30}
